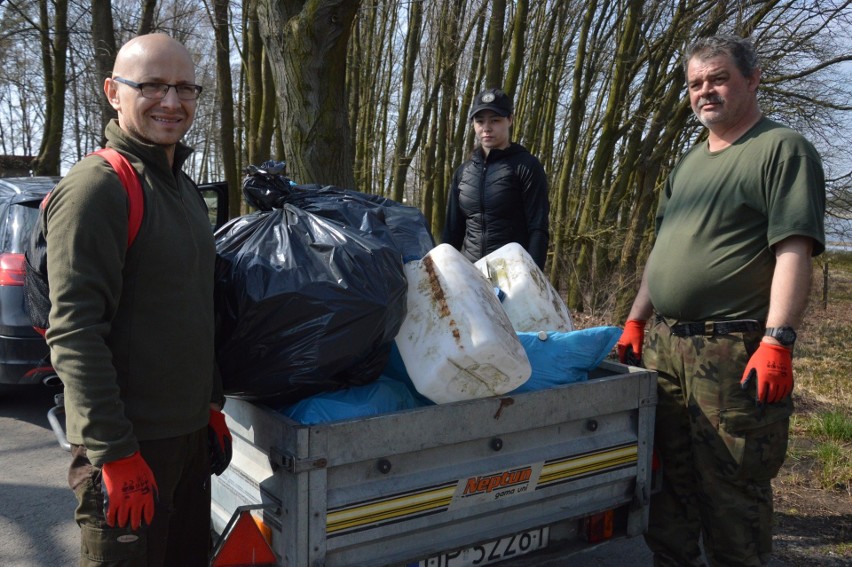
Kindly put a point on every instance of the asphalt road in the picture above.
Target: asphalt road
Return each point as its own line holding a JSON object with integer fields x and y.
{"x": 37, "y": 507}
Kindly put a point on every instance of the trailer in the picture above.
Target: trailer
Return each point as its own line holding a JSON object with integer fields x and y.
{"x": 519, "y": 479}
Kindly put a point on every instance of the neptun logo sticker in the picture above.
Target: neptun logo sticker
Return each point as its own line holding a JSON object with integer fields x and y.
{"x": 496, "y": 485}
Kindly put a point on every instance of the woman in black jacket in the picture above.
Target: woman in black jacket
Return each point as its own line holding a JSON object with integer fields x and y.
{"x": 499, "y": 195}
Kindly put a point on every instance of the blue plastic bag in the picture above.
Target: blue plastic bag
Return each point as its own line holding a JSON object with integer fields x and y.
{"x": 385, "y": 395}
{"x": 563, "y": 358}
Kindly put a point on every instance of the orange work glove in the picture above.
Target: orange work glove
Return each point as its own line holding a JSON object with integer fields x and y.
{"x": 220, "y": 441}
{"x": 129, "y": 491}
{"x": 772, "y": 366}
{"x": 629, "y": 346}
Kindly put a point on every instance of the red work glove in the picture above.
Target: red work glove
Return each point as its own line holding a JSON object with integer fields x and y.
{"x": 129, "y": 491}
{"x": 220, "y": 440}
{"x": 630, "y": 344}
{"x": 772, "y": 366}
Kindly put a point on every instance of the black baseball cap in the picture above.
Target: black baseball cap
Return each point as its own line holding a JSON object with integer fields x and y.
{"x": 494, "y": 100}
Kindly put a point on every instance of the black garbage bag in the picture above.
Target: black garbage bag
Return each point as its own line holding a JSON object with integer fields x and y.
{"x": 267, "y": 187}
{"x": 404, "y": 226}
{"x": 304, "y": 304}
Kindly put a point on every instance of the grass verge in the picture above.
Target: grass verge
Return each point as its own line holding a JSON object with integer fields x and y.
{"x": 823, "y": 389}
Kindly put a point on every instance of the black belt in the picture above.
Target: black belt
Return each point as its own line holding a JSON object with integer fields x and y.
{"x": 711, "y": 328}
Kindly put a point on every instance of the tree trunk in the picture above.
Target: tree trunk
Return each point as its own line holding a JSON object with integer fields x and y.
{"x": 494, "y": 64}
{"x": 146, "y": 20}
{"x": 516, "y": 59}
{"x": 306, "y": 43}
{"x": 267, "y": 113}
{"x": 253, "y": 55}
{"x": 447, "y": 59}
{"x": 54, "y": 56}
{"x": 429, "y": 168}
{"x": 225, "y": 95}
{"x": 463, "y": 138}
{"x": 103, "y": 40}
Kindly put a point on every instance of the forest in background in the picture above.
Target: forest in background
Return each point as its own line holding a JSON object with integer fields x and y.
{"x": 374, "y": 96}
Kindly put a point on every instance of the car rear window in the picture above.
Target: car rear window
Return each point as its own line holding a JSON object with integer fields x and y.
{"x": 18, "y": 222}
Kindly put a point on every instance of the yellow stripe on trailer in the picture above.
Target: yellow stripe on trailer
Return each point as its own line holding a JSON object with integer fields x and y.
{"x": 393, "y": 508}
{"x": 589, "y": 463}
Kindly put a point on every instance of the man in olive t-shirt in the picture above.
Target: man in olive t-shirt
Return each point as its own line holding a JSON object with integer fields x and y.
{"x": 739, "y": 219}
{"x": 720, "y": 216}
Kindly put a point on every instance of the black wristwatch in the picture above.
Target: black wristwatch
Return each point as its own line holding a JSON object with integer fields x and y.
{"x": 784, "y": 335}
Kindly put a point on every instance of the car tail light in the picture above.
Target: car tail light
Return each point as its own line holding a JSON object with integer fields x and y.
{"x": 12, "y": 269}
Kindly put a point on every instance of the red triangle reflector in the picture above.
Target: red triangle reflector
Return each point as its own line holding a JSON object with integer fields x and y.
{"x": 243, "y": 544}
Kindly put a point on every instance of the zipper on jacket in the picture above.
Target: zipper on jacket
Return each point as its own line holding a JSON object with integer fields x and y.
{"x": 482, "y": 214}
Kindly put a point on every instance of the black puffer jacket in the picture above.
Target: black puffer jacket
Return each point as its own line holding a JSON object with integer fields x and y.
{"x": 498, "y": 199}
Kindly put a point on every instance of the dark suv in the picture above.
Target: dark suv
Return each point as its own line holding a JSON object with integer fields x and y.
{"x": 24, "y": 357}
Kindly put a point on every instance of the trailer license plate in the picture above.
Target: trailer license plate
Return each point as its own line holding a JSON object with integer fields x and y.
{"x": 492, "y": 551}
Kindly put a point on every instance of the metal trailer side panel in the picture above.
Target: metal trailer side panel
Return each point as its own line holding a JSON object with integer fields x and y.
{"x": 401, "y": 486}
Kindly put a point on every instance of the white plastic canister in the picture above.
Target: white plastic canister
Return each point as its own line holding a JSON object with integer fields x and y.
{"x": 456, "y": 341}
{"x": 529, "y": 300}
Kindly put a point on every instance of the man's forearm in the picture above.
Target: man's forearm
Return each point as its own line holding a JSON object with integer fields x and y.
{"x": 642, "y": 308}
{"x": 791, "y": 282}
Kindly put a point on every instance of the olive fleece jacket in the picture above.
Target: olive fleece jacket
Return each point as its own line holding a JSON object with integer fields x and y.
{"x": 131, "y": 329}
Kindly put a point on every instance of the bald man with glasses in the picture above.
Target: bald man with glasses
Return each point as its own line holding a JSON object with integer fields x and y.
{"x": 131, "y": 325}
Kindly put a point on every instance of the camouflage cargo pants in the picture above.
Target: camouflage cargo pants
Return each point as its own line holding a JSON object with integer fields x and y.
{"x": 719, "y": 452}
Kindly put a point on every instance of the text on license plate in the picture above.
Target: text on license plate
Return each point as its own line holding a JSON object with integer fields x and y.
{"x": 492, "y": 551}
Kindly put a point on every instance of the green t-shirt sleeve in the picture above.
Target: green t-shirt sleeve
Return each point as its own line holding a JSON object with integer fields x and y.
{"x": 796, "y": 200}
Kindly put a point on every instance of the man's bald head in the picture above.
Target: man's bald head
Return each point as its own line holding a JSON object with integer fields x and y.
{"x": 152, "y": 46}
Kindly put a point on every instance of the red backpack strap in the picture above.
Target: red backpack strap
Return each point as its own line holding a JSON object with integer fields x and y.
{"x": 130, "y": 179}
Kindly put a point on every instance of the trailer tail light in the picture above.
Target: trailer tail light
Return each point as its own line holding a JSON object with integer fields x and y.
{"x": 12, "y": 269}
{"x": 598, "y": 527}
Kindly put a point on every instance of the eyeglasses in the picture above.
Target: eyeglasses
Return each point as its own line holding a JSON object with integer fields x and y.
{"x": 158, "y": 91}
